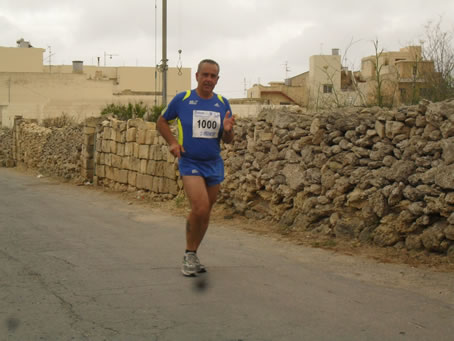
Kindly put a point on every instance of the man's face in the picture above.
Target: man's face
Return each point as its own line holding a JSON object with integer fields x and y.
{"x": 207, "y": 78}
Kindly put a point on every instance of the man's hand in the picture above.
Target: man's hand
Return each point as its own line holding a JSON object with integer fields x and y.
{"x": 229, "y": 121}
{"x": 176, "y": 149}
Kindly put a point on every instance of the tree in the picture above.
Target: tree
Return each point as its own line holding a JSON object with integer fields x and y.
{"x": 378, "y": 74}
{"x": 437, "y": 46}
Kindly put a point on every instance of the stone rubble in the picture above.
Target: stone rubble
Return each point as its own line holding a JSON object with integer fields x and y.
{"x": 51, "y": 151}
{"x": 6, "y": 150}
{"x": 376, "y": 175}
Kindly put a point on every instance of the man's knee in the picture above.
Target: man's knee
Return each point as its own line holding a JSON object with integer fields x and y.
{"x": 201, "y": 210}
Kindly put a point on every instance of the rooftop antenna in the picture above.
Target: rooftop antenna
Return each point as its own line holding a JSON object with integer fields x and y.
{"x": 49, "y": 57}
{"x": 110, "y": 55}
{"x": 287, "y": 69}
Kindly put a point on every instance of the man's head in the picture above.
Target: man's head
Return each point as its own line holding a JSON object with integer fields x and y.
{"x": 207, "y": 77}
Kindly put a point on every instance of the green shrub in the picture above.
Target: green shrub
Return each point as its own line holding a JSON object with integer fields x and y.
{"x": 59, "y": 122}
{"x": 137, "y": 110}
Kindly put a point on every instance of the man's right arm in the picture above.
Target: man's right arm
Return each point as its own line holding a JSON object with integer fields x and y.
{"x": 164, "y": 129}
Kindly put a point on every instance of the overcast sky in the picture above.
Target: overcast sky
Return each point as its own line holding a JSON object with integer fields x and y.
{"x": 253, "y": 40}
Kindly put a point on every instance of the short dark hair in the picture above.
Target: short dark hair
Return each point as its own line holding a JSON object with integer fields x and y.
{"x": 209, "y": 61}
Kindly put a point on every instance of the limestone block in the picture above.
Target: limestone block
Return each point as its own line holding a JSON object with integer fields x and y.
{"x": 147, "y": 182}
{"x": 150, "y": 125}
{"x": 143, "y": 166}
{"x": 139, "y": 181}
{"x": 160, "y": 168}
{"x": 135, "y": 150}
{"x": 109, "y": 172}
{"x": 116, "y": 174}
{"x": 120, "y": 149}
{"x": 107, "y": 133}
{"x": 113, "y": 147}
{"x": 115, "y": 124}
{"x": 155, "y": 185}
{"x": 105, "y": 147}
{"x": 102, "y": 158}
{"x": 144, "y": 151}
{"x": 126, "y": 162}
{"x": 99, "y": 144}
{"x": 122, "y": 176}
{"x": 153, "y": 152}
{"x": 101, "y": 171}
{"x": 108, "y": 159}
{"x": 150, "y": 136}
{"x": 136, "y": 122}
{"x": 129, "y": 148}
{"x": 162, "y": 185}
{"x": 120, "y": 136}
{"x": 141, "y": 136}
{"x": 116, "y": 161}
{"x": 135, "y": 164}
{"x": 97, "y": 157}
{"x": 131, "y": 134}
{"x": 151, "y": 167}
{"x": 132, "y": 178}
{"x": 169, "y": 171}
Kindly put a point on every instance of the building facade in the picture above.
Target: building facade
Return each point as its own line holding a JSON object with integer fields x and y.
{"x": 386, "y": 79}
{"x": 33, "y": 90}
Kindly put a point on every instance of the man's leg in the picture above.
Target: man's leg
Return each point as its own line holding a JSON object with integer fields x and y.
{"x": 201, "y": 198}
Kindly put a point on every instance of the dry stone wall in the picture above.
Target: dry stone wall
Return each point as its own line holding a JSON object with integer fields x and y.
{"x": 132, "y": 156}
{"x": 50, "y": 151}
{"x": 380, "y": 176}
{"x": 6, "y": 150}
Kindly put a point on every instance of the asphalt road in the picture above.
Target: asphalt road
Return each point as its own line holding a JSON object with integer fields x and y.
{"x": 80, "y": 264}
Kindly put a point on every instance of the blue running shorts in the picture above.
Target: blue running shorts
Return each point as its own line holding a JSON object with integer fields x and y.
{"x": 211, "y": 170}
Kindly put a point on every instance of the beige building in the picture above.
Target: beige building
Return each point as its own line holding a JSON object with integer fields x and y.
{"x": 278, "y": 93}
{"x": 34, "y": 90}
{"x": 403, "y": 74}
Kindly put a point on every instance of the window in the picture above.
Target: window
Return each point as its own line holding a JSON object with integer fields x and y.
{"x": 327, "y": 88}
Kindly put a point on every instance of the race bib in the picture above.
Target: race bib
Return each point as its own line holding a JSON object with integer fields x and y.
{"x": 206, "y": 124}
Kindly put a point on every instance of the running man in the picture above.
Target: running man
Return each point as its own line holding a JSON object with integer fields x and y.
{"x": 204, "y": 118}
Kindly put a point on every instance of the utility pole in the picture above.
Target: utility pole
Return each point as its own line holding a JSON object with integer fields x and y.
{"x": 164, "y": 52}
{"x": 108, "y": 55}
